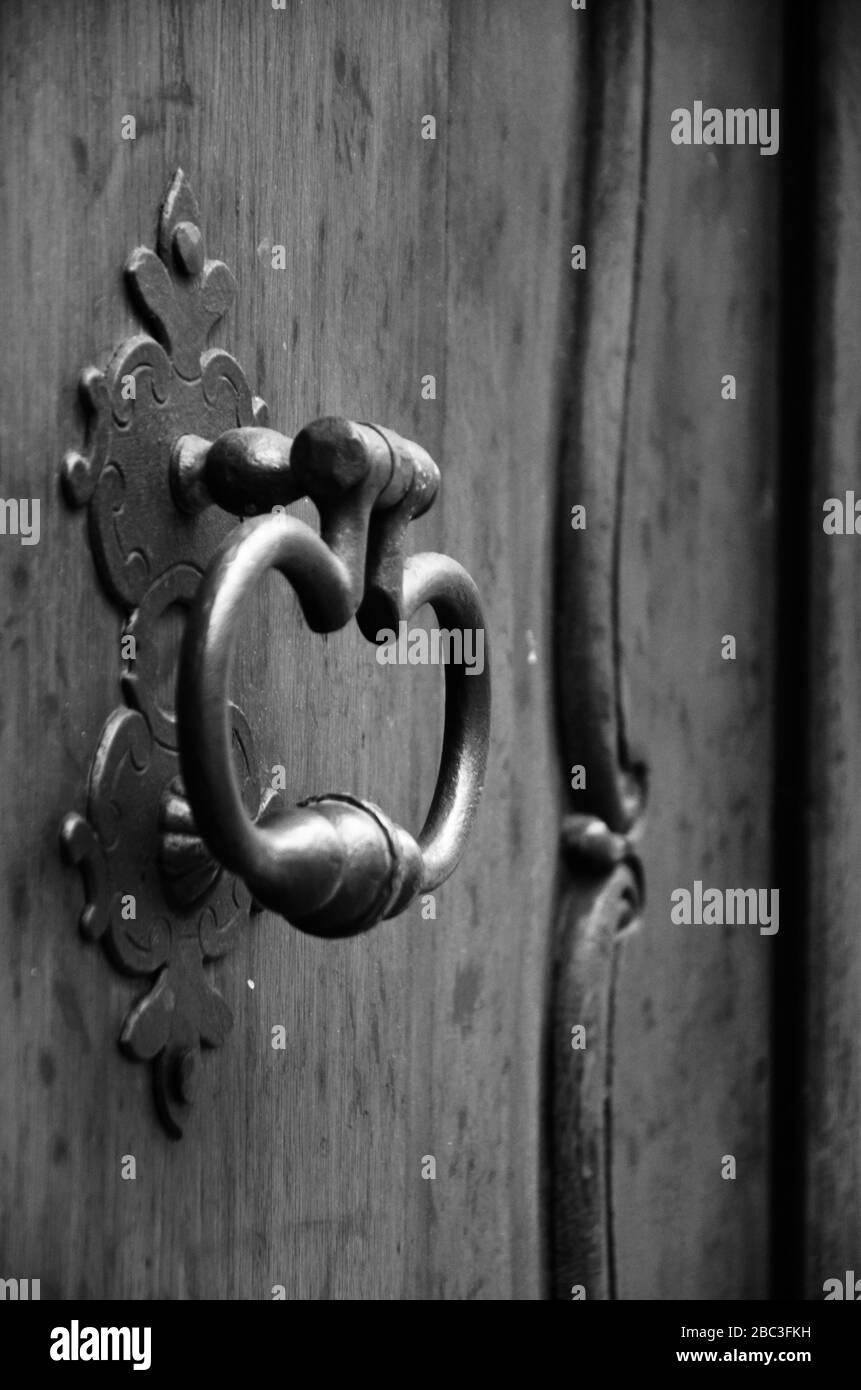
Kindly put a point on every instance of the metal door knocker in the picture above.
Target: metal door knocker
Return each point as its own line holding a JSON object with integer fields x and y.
{"x": 178, "y": 845}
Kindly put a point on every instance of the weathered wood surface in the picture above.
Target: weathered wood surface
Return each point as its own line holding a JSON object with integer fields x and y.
{"x": 404, "y": 258}
{"x": 596, "y": 903}
{"x": 692, "y": 1051}
{"x": 681, "y": 289}
{"x": 832, "y": 965}
{"x": 598, "y": 912}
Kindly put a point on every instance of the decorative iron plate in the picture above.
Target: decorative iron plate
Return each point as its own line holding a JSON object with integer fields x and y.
{"x": 161, "y": 906}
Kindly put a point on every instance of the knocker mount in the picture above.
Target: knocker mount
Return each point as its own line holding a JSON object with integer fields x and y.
{"x": 178, "y": 844}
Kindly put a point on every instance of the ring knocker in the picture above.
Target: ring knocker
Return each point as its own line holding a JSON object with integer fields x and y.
{"x": 334, "y": 865}
{"x": 175, "y": 843}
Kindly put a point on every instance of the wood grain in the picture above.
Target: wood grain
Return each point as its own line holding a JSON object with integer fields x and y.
{"x": 692, "y": 1042}
{"x": 404, "y": 258}
{"x": 597, "y": 914}
{"x": 607, "y": 173}
{"x": 832, "y": 1093}
{"x": 597, "y": 902}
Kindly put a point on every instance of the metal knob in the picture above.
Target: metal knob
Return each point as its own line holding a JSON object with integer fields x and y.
{"x": 333, "y": 865}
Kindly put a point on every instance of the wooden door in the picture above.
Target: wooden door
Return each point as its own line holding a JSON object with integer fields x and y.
{"x": 406, "y": 258}
{"x": 398, "y": 189}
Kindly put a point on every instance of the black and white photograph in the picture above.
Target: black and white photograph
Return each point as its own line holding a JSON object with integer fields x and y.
{"x": 430, "y": 669}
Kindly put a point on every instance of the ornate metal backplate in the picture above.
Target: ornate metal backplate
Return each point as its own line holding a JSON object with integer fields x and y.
{"x": 154, "y": 897}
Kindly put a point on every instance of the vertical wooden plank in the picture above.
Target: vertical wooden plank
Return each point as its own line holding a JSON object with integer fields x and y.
{"x": 404, "y": 258}
{"x": 833, "y": 953}
{"x": 300, "y": 128}
{"x": 697, "y": 562}
{"x": 606, "y": 782}
{"x": 514, "y": 70}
